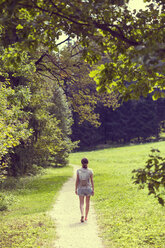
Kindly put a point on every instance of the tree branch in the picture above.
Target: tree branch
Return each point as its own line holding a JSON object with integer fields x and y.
{"x": 54, "y": 13}
{"x": 104, "y": 26}
{"x": 40, "y": 59}
{"x": 63, "y": 41}
{"x": 43, "y": 75}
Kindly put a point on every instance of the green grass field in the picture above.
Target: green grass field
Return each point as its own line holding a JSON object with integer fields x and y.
{"x": 127, "y": 217}
{"x": 27, "y": 223}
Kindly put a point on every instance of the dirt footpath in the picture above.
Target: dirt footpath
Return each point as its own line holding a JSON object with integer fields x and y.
{"x": 66, "y": 214}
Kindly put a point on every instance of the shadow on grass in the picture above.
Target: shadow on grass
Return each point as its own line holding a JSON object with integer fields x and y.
{"x": 118, "y": 145}
{"x": 32, "y": 183}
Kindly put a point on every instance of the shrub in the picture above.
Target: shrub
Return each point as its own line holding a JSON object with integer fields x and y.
{"x": 152, "y": 176}
{"x": 3, "y": 203}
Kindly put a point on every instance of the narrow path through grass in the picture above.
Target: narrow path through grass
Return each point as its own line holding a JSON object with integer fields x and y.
{"x": 128, "y": 217}
{"x": 66, "y": 214}
{"x": 26, "y": 223}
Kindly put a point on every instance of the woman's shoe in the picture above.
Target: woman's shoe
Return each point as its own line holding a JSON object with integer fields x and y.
{"x": 86, "y": 219}
{"x": 82, "y": 218}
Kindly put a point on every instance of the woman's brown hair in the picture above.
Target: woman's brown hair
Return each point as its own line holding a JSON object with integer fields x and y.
{"x": 84, "y": 162}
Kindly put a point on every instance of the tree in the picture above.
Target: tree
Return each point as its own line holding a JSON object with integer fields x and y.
{"x": 13, "y": 121}
{"x": 50, "y": 119}
{"x": 79, "y": 88}
{"x": 62, "y": 112}
{"x": 82, "y": 95}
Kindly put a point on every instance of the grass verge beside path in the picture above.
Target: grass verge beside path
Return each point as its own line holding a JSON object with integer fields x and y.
{"x": 127, "y": 217}
{"x": 27, "y": 223}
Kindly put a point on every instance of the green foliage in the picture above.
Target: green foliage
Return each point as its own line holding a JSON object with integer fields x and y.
{"x": 54, "y": 122}
{"x": 80, "y": 89}
{"x": 51, "y": 121}
{"x": 3, "y": 204}
{"x": 6, "y": 200}
{"x": 14, "y": 59}
{"x": 13, "y": 120}
{"x": 32, "y": 130}
{"x": 62, "y": 111}
{"x": 133, "y": 121}
{"x": 132, "y": 40}
{"x": 152, "y": 176}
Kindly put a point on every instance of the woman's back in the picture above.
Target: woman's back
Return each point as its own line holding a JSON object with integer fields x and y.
{"x": 84, "y": 177}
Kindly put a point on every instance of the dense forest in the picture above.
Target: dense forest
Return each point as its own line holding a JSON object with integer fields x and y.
{"x": 133, "y": 121}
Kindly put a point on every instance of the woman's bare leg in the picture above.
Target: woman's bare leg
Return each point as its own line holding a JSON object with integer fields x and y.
{"x": 87, "y": 206}
{"x": 81, "y": 197}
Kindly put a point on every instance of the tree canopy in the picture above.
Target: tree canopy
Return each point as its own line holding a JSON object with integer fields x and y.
{"x": 133, "y": 40}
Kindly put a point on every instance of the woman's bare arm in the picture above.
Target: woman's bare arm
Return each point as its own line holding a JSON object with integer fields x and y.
{"x": 92, "y": 183}
{"x": 76, "y": 184}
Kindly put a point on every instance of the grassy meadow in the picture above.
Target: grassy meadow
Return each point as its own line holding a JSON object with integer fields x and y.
{"x": 127, "y": 217}
{"x": 26, "y": 223}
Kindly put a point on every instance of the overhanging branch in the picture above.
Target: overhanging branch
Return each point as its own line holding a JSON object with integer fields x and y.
{"x": 74, "y": 19}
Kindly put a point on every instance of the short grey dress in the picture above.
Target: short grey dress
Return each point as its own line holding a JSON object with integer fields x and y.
{"x": 84, "y": 189}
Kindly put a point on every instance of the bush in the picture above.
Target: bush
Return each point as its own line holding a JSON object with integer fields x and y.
{"x": 3, "y": 203}
{"x": 10, "y": 183}
{"x": 152, "y": 176}
{"x": 35, "y": 170}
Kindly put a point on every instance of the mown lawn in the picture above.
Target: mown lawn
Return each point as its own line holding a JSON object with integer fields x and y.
{"x": 127, "y": 217}
{"x": 27, "y": 223}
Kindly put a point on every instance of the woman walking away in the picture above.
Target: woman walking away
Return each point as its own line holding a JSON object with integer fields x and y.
{"x": 84, "y": 187}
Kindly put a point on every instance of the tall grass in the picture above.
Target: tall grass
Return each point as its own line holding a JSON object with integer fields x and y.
{"x": 26, "y": 223}
{"x": 127, "y": 217}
